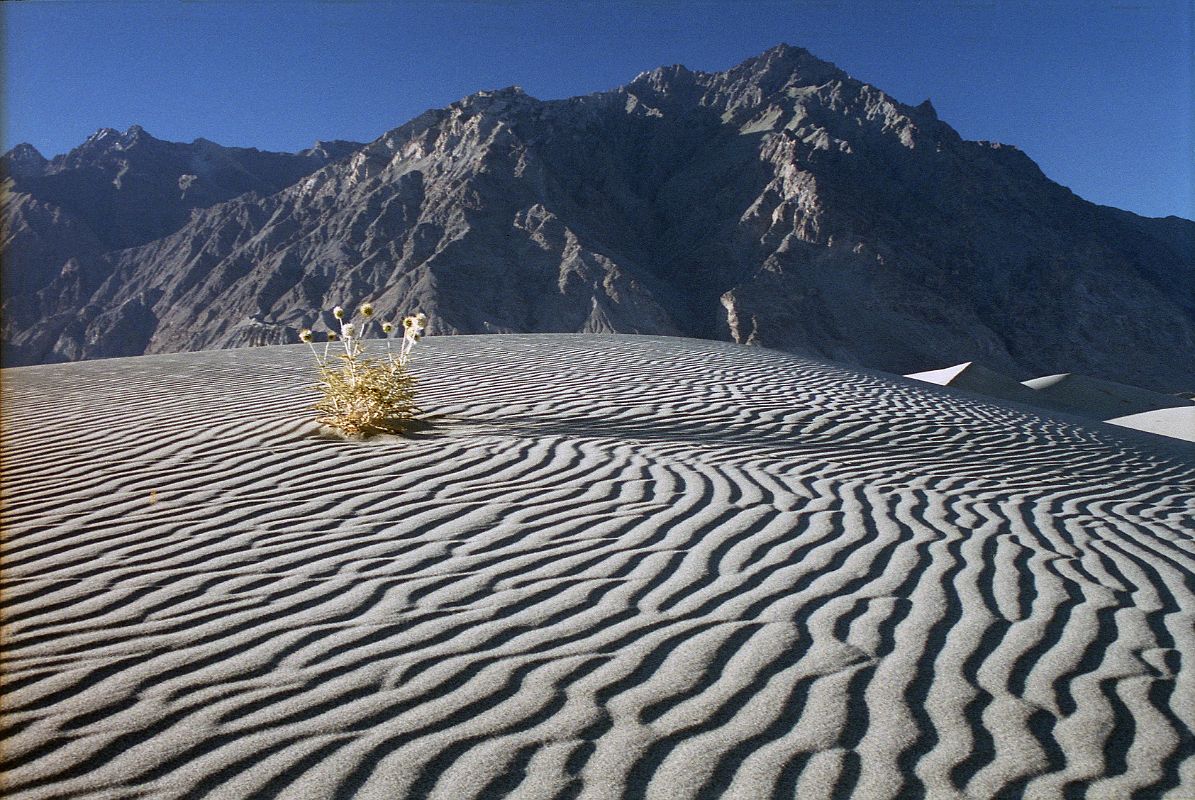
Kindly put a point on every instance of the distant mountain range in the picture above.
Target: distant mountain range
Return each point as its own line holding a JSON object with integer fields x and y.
{"x": 781, "y": 202}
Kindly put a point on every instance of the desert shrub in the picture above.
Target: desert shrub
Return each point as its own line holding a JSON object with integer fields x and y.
{"x": 360, "y": 393}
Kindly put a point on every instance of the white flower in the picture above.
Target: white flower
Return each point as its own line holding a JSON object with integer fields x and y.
{"x": 387, "y": 327}
{"x": 332, "y": 336}
{"x": 348, "y": 330}
{"x": 367, "y": 310}
{"x": 338, "y": 312}
{"x": 306, "y": 336}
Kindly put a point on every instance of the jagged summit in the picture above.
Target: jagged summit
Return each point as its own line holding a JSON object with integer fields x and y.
{"x": 506, "y": 91}
{"x": 135, "y": 133}
{"x": 330, "y": 150}
{"x": 779, "y": 202}
{"x": 662, "y": 73}
{"x": 22, "y": 161}
{"x": 772, "y": 71}
{"x": 497, "y": 100}
{"x": 111, "y": 138}
{"x": 101, "y": 135}
{"x": 118, "y": 190}
{"x": 784, "y": 63}
{"x": 24, "y": 151}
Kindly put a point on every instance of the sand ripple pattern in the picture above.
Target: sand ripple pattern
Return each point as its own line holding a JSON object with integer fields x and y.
{"x": 617, "y": 567}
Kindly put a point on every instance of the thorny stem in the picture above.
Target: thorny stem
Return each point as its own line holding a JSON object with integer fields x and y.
{"x": 408, "y": 343}
{"x": 350, "y": 350}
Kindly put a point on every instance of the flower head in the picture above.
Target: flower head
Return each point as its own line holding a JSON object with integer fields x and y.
{"x": 306, "y": 335}
{"x": 338, "y": 312}
{"x": 387, "y": 327}
{"x": 349, "y": 330}
{"x": 332, "y": 336}
{"x": 415, "y": 326}
{"x": 367, "y": 310}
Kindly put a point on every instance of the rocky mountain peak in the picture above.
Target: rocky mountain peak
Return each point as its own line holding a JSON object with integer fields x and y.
{"x": 102, "y": 135}
{"x": 136, "y": 133}
{"x": 506, "y": 91}
{"x": 119, "y": 190}
{"x": 773, "y": 83}
{"x": 496, "y": 101}
{"x": 783, "y": 66}
{"x": 106, "y": 145}
{"x": 331, "y": 150}
{"x": 661, "y": 78}
{"x": 24, "y": 152}
{"x": 24, "y": 161}
{"x": 673, "y": 87}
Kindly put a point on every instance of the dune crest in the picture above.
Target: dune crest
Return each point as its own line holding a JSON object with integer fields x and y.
{"x": 612, "y": 566}
{"x": 1080, "y": 395}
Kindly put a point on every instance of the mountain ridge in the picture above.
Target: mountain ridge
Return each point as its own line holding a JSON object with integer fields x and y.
{"x": 779, "y": 202}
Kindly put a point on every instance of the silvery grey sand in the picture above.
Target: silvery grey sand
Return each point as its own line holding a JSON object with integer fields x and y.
{"x": 608, "y": 567}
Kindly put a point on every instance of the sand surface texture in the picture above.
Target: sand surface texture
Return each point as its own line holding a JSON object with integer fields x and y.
{"x": 616, "y": 567}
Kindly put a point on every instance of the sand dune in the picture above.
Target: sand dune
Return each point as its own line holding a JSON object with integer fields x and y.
{"x": 1077, "y": 395}
{"x": 1099, "y": 398}
{"x": 978, "y": 378}
{"x": 1176, "y": 422}
{"x": 615, "y": 567}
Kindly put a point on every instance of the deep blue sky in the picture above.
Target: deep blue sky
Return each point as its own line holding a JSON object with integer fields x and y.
{"x": 1098, "y": 92}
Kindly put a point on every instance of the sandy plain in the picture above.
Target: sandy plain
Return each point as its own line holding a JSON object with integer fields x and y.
{"x": 607, "y": 567}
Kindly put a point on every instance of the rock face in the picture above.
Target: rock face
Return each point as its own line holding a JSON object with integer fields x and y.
{"x": 116, "y": 191}
{"x": 780, "y": 203}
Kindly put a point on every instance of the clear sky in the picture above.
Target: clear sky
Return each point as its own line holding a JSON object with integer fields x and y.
{"x": 1098, "y": 92}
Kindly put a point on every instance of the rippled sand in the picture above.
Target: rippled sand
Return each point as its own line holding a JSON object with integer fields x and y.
{"x": 613, "y": 567}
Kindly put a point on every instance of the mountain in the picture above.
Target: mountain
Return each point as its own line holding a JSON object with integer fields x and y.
{"x": 117, "y": 191}
{"x": 781, "y": 203}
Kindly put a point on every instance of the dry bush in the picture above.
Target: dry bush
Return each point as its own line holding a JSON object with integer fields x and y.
{"x": 361, "y": 394}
